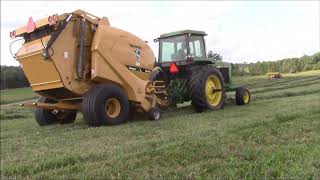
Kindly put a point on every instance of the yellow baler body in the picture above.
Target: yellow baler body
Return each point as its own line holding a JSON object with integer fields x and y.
{"x": 110, "y": 55}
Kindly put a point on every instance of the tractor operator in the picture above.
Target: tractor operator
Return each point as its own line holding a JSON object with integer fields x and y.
{"x": 181, "y": 54}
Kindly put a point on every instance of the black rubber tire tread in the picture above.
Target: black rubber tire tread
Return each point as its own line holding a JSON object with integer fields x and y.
{"x": 239, "y": 95}
{"x": 93, "y": 105}
{"x": 197, "y": 88}
{"x": 151, "y": 114}
{"x": 87, "y": 107}
{"x": 44, "y": 116}
{"x": 69, "y": 118}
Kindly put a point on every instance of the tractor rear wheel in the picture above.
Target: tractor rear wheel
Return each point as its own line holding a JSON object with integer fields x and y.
{"x": 105, "y": 105}
{"x": 207, "y": 89}
{"x": 243, "y": 96}
{"x": 48, "y": 116}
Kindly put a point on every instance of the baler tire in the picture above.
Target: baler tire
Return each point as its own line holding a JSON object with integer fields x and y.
{"x": 94, "y": 105}
{"x": 154, "y": 114}
{"x": 243, "y": 96}
{"x": 69, "y": 117}
{"x": 46, "y": 117}
{"x": 197, "y": 85}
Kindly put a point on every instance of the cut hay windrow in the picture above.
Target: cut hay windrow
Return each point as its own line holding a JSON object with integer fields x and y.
{"x": 284, "y": 80}
{"x": 297, "y": 91}
{"x": 286, "y": 86}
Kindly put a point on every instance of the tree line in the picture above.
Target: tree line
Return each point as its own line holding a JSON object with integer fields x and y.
{"x": 288, "y": 65}
{"x": 13, "y": 76}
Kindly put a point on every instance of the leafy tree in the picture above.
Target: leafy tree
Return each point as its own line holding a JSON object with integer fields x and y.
{"x": 288, "y": 65}
{"x": 12, "y": 77}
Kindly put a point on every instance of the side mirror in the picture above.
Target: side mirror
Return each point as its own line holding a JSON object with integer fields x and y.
{"x": 210, "y": 54}
{"x": 215, "y": 56}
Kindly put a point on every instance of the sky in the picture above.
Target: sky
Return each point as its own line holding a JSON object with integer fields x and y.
{"x": 240, "y": 31}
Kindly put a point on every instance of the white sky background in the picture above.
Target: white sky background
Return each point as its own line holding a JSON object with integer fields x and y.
{"x": 240, "y": 31}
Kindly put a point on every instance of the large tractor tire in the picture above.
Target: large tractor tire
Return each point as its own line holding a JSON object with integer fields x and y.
{"x": 105, "y": 105}
{"x": 207, "y": 90}
{"x": 47, "y": 116}
{"x": 243, "y": 96}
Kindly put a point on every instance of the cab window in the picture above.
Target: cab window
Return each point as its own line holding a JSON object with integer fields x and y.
{"x": 173, "y": 49}
{"x": 196, "y": 45}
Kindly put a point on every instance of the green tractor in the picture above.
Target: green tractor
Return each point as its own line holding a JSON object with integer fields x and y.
{"x": 189, "y": 74}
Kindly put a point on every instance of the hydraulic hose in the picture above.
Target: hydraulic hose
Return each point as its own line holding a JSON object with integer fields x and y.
{"x": 81, "y": 43}
{"x": 55, "y": 35}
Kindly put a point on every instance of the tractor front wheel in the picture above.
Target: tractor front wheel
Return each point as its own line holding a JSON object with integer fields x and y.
{"x": 105, "y": 105}
{"x": 243, "y": 96}
{"x": 207, "y": 89}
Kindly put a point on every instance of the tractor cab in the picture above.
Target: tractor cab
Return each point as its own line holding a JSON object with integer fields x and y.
{"x": 182, "y": 48}
{"x": 183, "y": 52}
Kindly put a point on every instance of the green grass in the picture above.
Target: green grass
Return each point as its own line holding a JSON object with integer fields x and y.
{"x": 16, "y": 95}
{"x": 276, "y": 136}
